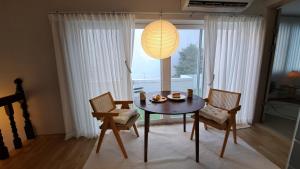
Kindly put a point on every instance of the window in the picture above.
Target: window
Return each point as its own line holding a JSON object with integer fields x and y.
{"x": 187, "y": 62}
{"x": 186, "y": 67}
{"x": 145, "y": 71}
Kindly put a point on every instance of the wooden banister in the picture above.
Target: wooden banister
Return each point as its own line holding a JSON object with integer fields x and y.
{"x": 3, "y": 149}
{"x": 7, "y": 102}
{"x": 28, "y": 126}
{"x": 10, "y": 99}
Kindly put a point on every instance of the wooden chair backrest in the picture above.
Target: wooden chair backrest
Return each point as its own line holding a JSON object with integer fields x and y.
{"x": 223, "y": 99}
{"x": 103, "y": 103}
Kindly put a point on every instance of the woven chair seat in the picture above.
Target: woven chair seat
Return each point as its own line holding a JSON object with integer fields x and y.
{"x": 124, "y": 115}
{"x": 214, "y": 114}
{"x": 129, "y": 123}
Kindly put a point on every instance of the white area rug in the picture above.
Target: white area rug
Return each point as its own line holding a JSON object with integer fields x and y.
{"x": 170, "y": 148}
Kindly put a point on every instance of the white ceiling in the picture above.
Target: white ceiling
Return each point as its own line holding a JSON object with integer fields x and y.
{"x": 292, "y": 8}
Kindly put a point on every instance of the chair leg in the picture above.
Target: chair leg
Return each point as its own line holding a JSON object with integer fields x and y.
{"x": 193, "y": 130}
{"x": 136, "y": 130}
{"x": 234, "y": 131}
{"x": 205, "y": 126}
{"x": 225, "y": 141}
{"x": 118, "y": 138}
{"x": 103, "y": 130}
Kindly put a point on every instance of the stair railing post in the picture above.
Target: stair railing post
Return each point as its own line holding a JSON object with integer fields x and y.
{"x": 10, "y": 112}
{"x": 28, "y": 126}
{"x": 3, "y": 149}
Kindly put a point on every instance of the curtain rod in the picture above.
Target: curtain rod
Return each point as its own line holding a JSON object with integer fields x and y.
{"x": 148, "y": 13}
{"x": 118, "y": 12}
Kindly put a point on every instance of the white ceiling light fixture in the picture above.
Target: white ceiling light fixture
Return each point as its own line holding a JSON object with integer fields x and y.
{"x": 160, "y": 39}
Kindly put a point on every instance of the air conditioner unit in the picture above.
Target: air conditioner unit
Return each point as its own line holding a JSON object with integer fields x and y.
{"x": 215, "y": 5}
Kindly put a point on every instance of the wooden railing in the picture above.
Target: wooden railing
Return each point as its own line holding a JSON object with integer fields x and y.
{"x": 7, "y": 102}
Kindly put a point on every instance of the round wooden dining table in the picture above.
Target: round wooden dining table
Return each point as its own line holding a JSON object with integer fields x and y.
{"x": 170, "y": 107}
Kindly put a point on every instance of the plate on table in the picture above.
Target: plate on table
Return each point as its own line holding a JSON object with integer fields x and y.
{"x": 182, "y": 97}
{"x": 162, "y": 99}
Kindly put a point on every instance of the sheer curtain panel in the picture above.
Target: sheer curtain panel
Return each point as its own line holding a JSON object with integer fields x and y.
{"x": 93, "y": 56}
{"x": 233, "y": 52}
{"x": 287, "y": 50}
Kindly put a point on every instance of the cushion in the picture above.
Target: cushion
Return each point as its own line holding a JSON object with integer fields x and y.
{"x": 215, "y": 114}
{"x": 124, "y": 115}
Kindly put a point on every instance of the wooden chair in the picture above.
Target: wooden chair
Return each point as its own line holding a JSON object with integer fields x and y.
{"x": 220, "y": 112}
{"x": 104, "y": 108}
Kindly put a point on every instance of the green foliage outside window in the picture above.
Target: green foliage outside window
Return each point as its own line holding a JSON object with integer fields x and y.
{"x": 188, "y": 61}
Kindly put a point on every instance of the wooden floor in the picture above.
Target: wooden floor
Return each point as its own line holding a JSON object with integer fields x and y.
{"x": 52, "y": 151}
{"x": 272, "y": 145}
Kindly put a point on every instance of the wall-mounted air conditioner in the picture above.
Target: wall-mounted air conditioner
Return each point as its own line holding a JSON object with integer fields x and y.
{"x": 215, "y": 5}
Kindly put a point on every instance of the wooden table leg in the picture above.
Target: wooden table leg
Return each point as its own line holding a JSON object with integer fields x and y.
{"x": 184, "y": 122}
{"x": 197, "y": 135}
{"x": 147, "y": 120}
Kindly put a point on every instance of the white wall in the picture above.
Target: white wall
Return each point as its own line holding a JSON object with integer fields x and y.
{"x": 26, "y": 51}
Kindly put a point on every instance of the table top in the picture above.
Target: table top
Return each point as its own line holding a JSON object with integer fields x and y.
{"x": 170, "y": 107}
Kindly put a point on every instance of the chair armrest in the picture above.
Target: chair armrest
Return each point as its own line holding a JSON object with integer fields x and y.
{"x": 124, "y": 103}
{"x": 234, "y": 110}
{"x": 104, "y": 114}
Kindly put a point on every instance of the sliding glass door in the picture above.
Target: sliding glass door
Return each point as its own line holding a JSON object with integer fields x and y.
{"x": 146, "y": 71}
{"x": 186, "y": 66}
{"x": 187, "y": 62}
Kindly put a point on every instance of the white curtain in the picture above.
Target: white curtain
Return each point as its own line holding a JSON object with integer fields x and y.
{"x": 233, "y": 52}
{"x": 287, "y": 52}
{"x": 93, "y": 55}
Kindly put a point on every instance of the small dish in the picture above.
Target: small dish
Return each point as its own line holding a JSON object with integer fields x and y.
{"x": 162, "y": 99}
{"x": 182, "y": 97}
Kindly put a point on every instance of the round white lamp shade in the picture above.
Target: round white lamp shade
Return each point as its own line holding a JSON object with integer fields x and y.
{"x": 160, "y": 39}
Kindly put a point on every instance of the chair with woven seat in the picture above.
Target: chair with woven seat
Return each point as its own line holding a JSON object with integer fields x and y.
{"x": 220, "y": 112}
{"x": 105, "y": 109}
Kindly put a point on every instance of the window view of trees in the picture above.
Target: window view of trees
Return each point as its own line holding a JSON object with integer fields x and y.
{"x": 189, "y": 61}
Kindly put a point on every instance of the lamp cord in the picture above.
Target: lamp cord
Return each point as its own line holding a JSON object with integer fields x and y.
{"x": 160, "y": 31}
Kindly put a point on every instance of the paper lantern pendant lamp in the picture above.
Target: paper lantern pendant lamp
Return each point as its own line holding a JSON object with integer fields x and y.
{"x": 160, "y": 39}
